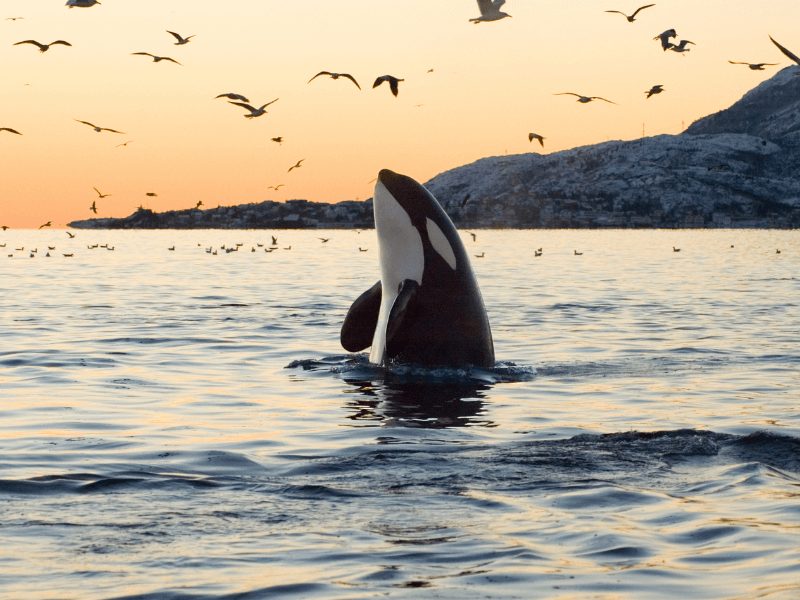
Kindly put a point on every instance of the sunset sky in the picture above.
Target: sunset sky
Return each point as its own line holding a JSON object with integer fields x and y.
{"x": 491, "y": 84}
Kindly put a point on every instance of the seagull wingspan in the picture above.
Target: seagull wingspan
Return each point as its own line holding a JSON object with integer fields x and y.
{"x": 786, "y": 52}
{"x": 351, "y": 78}
{"x": 318, "y": 74}
{"x": 636, "y": 12}
{"x": 252, "y": 109}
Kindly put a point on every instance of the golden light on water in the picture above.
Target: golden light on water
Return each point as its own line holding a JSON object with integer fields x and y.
{"x": 491, "y": 84}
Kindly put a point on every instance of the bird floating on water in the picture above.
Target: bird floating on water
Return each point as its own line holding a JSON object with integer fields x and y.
{"x": 44, "y": 47}
{"x": 656, "y": 89}
{"x": 490, "y": 11}
{"x": 584, "y": 99}
{"x": 536, "y": 136}
{"x": 297, "y": 165}
{"x": 753, "y": 66}
{"x": 254, "y": 112}
{"x": 155, "y": 57}
{"x": 664, "y": 38}
{"x": 631, "y": 18}
{"x": 181, "y": 40}
{"x": 336, "y": 76}
{"x": 10, "y": 130}
{"x": 81, "y": 3}
{"x": 393, "y": 83}
{"x": 97, "y": 128}
{"x": 787, "y": 52}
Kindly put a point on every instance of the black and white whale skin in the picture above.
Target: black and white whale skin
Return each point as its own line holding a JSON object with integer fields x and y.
{"x": 426, "y": 309}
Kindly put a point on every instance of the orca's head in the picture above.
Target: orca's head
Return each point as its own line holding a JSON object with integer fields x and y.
{"x": 410, "y": 224}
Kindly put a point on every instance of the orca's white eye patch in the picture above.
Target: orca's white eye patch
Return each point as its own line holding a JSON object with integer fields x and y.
{"x": 440, "y": 243}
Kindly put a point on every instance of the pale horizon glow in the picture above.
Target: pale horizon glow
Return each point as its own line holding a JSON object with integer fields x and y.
{"x": 491, "y": 85}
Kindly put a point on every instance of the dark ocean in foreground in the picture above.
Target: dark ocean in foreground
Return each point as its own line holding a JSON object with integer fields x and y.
{"x": 179, "y": 424}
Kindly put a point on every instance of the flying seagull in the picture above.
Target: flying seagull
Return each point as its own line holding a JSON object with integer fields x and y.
{"x": 631, "y": 18}
{"x": 100, "y": 194}
{"x": 10, "y": 130}
{"x": 656, "y": 89}
{"x": 233, "y": 96}
{"x": 181, "y": 40}
{"x": 584, "y": 99}
{"x": 151, "y": 194}
{"x": 336, "y": 76}
{"x": 155, "y": 58}
{"x": 681, "y": 47}
{"x": 93, "y": 207}
{"x": 97, "y": 128}
{"x": 664, "y": 38}
{"x": 296, "y": 165}
{"x": 276, "y": 187}
{"x": 536, "y": 136}
{"x": 81, "y": 3}
{"x": 254, "y": 112}
{"x": 753, "y": 66}
{"x": 123, "y": 144}
{"x": 490, "y": 11}
{"x": 48, "y": 224}
{"x": 44, "y": 47}
{"x": 786, "y": 52}
{"x": 393, "y": 82}
{"x": 14, "y": 18}
{"x": 70, "y": 234}
{"x": 277, "y": 140}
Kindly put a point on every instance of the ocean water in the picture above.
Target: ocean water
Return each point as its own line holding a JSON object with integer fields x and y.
{"x": 177, "y": 424}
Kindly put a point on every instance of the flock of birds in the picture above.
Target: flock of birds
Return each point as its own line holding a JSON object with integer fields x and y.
{"x": 490, "y": 11}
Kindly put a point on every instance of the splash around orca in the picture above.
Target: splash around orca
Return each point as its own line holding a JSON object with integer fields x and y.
{"x": 426, "y": 309}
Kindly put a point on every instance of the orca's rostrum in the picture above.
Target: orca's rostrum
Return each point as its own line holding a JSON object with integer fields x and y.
{"x": 426, "y": 309}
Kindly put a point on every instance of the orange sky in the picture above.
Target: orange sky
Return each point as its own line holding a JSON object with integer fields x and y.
{"x": 492, "y": 83}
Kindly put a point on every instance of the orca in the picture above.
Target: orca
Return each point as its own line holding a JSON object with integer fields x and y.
{"x": 426, "y": 309}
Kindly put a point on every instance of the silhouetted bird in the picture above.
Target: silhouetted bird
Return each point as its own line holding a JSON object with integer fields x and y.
{"x": 70, "y": 234}
{"x": 631, "y": 18}
{"x": 275, "y": 187}
{"x": 48, "y": 224}
{"x": 297, "y": 165}
{"x": 536, "y": 136}
{"x": 155, "y": 57}
{"x": 151, "y": 194}
{"x": 336, "y": 76}
{"x": 10, "y": 130}
{"x": 277, "y": 140}
{"x": 787, "y": 52}
{"x": 93, "y": 207}
{"x": 674, "y": 249}
{"x": 584, "y": 99}
{"x": 490, "y": 11}
{"x": 100, "y": 194}
{"x": 681, "y": 46}
{"x": 393, "y": 83}
{"x": 44, "y": 47}
{"x": 324, "y": 240}
{"x": 181, "y": 40}
{"x": 753, "y": 66}
{"x": 233, "y": 96}
{"x": 656, "y": 89}
{"x": 97, "y": 128}
{"x": 664, "y": 38}
{"x": 198, "y": 205}
{"x": 254, "y": 112}
{"x": 481, "y": 255}
{"x": 123, "y": 144}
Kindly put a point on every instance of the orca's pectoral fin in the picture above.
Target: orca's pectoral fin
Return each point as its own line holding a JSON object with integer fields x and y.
{"x": 400, "y": 309}
{"x": 359, "y": 325}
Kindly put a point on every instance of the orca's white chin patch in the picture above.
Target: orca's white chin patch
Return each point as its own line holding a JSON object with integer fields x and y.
{"x": 401, "y": 256}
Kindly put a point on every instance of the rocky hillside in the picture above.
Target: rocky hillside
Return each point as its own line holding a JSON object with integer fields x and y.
{"x": 737, "y": 168}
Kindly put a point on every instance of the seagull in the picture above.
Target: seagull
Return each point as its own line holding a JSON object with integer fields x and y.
{"x": 97, "y": 128}
{"x": 254, "y": 112}
{"x": 233, "y": 96}
{"x": 100, "y": 194}
{"x": 48, "y": 224}
{"x": 360, "y": 249}
{"x": 278, "y": 140}
{"x": 44, "y": 47}
{"x": 536, "y": 136}
{"x": 490, "y": 11}
{"x": 70, "y": 234}
{"x": 324, "y": 240}
{"x": 584, "y": 99}
{"x": 674, "y": 249}
{"x": 296, "y": 165}
{"x": 656, "y": 89}
{"x": 537, "y": 252}
{"x": 181, "y": 40}
{"x": 481, "y": 255}
{"x": 474, "y": 235}
{"x": 123, "y": 144}
{"x": 664, "y": 38}
{"x": 151, "y": 194}
{"x": 155, "y": 58}
{"x": 576, "y": 253}
{"x": 276, "y": 187}
{"x": 198, "y": 205}
{"x": 274, "y": 240}
{"x": 336, "y": 76}
{"x": 393, "y": 81}
{"x": 93, "y": 207}
{"x": 4, "y": 227}
{"x": 82, "y": 3}
{"x": 786, "y": 52}
{"x": 10, "y": 130}
{"x": 14, "y": 18}
{"x": 631, "y": 18}
{"x": 681, "y": 47}
{"x": 753, "y": 66}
